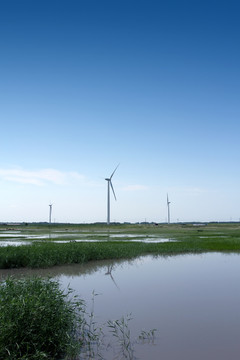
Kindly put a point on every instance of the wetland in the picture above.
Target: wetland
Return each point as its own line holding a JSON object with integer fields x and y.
{"x": 186, "y": 287}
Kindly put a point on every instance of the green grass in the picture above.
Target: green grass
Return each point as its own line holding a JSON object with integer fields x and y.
{"x": 50, "y": 254}
{"x": 37, "y": 320}
{"x": 190, "y": 239}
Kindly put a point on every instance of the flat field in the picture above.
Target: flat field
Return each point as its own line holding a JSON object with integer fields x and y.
{"x": 41, "y": 245}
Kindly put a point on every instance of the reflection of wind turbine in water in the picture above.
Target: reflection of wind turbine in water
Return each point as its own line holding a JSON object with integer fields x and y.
{"x": 109, "y": 272}
{"x": 50, "y": 213}
{"x": 109, "y": 180}
{"x": 168, "y": 206}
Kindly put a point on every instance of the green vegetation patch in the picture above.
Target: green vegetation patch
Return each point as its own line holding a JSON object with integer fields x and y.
{"x": 37, "y": 321}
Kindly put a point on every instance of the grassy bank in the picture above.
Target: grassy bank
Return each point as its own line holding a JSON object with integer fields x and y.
{"x": 37, "y": 321}
{"x": 189, "y": 238}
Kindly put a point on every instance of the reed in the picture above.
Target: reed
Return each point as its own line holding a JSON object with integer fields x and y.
{"x": 37, "y": 320}
{"x": 50, "y": 254}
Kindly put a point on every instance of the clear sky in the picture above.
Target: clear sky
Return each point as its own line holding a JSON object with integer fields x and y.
{"x": 88, "y": 84}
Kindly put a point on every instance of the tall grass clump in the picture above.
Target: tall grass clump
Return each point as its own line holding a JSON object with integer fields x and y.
{"x": 37, "y": 320}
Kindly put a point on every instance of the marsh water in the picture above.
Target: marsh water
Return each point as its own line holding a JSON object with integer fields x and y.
{"x": 192, "y": 301}
{"x": 16, "y": 238}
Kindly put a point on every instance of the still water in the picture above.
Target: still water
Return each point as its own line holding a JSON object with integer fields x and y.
{"x": 15, "y": 238}
{"x": 192, "y": 300}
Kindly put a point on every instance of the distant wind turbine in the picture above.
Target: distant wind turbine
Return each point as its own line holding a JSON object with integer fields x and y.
{"x": 168, "y": 207}
{"x": 109, "y": 181}
{"x": 50, "y": 213}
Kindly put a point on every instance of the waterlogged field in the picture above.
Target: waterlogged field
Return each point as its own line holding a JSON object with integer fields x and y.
{"x": 180, "y": 279}
{"x": 57, "y": 233}
{"x": 45, "y": 246}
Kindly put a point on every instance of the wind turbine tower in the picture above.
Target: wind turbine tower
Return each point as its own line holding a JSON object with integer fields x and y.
{"x": 50, "y": 213}
{"x": 109, "y": 184}
{"x": 168, "y": 208}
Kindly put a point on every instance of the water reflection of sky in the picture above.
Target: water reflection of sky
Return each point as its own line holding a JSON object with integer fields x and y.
{"x": 193, "y": 301}
{"x": 15, "y": 238}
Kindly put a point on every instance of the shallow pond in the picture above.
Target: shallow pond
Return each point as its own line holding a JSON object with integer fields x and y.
{"x": 14, "y": 243}
{"x": 16, "y": 238}
{"x": 192, "y": 300}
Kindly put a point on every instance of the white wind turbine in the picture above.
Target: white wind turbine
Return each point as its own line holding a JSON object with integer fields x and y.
{"x": 50, "y": 213}
{"x": 109, "y": 181}
{"x": 168, "y": 207}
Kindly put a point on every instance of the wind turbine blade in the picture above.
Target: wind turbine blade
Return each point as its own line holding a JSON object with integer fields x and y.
{"x": 114, "y": 172}
{"x": 113, "y": 190}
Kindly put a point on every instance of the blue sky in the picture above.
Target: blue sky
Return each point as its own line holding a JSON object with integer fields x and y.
{"x": 151, "y": 85}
